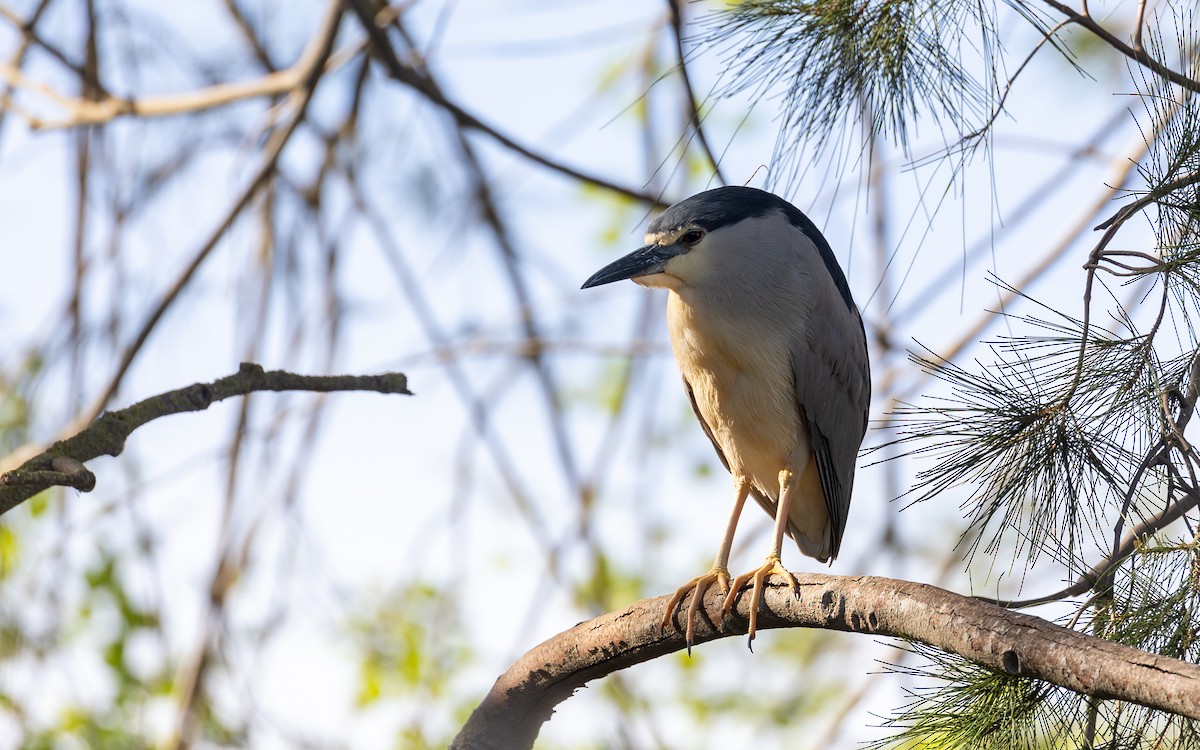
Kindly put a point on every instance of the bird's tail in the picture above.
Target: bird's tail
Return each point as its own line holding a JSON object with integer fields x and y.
{"x": 808, "y": 517}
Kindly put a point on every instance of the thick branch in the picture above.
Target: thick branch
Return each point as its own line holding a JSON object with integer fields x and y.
{"x": 62, "y": 463}
{"x": 524, "y": 697}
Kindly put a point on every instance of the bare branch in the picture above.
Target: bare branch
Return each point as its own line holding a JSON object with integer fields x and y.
{"x": 1013, "y": 643}
{"x": 1138, "y": 55}
{"x": 274, "y": 148}
{"x": 61, "y": 463}
{"x": 685, "y": 78}
{"x": 410, "y": 76}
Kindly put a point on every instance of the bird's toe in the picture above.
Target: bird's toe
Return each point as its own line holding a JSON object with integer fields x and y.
{"x": 758, "y": 578}
{"x": 697, "y": 587}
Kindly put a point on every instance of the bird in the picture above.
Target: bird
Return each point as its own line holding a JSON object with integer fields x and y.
{"x": 773, "y": 354}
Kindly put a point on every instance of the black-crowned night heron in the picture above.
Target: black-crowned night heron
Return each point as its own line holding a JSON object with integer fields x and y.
{"x": 774, "y": 359}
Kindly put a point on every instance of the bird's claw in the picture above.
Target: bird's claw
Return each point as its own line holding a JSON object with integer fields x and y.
{"x": 700, "y": 585}
{"x": 759, "y": 576}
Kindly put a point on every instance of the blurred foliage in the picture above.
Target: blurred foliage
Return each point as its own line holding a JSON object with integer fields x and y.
{"x": 411, "y": 648}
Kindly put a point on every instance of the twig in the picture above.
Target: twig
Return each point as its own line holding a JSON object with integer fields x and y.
{"x": 1129, "y": 209}
{"x": 1138, "y": 24}
{"x": 250, "y": 35}
{"x": 410, "y": 77}
{"x": 1008, "y": 87}
{"x": 1139, "y": 56}
{"x": 28, "y": 29}
{"x": 107, "y": 435}
{"x": 686, "y": 78}
{"x": 81, "y": 111}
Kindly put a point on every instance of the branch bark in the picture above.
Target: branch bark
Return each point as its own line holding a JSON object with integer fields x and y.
{"x": 62, "y": 463}
{"x": 1018, "y": 644}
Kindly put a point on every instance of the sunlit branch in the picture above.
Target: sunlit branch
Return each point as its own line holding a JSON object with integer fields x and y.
{"x": 1138, "y": 26}
{"x": 94, "y": 112}
{"x": 1012, "y": 643}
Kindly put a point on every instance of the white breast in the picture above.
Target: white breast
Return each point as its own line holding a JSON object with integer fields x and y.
{"x": 748, "y": 400}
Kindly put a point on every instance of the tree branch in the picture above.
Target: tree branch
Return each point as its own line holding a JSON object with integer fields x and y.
{"x": 1014, "y": 643}
{"x": 1137, "y": 54}
{"x": 62, "y": 463}
{"x": 697, "y": 121}
{"x": 1108, "y": 566}
{"x": 411, "y": 77}
{"x": 80, "y": 111}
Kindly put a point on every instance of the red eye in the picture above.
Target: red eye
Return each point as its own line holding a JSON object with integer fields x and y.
{"x": 691, "y": 237}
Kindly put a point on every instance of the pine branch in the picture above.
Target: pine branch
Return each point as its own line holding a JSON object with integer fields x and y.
{"x": 1007, "y": 642}
{"x": 1138, "y": 55}
{"x": 1105, "y": 569}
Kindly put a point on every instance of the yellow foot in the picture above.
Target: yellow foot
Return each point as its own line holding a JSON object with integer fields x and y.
{"x": 772, "y": 565}
{"x": 699, "y": 584}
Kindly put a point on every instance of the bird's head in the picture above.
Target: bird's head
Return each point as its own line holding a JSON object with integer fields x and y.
{"x": 668, "y": 259}
{"x": 678, "y": 250}
{"x": 712, "y": 236}
{"x": 698, "y": 238}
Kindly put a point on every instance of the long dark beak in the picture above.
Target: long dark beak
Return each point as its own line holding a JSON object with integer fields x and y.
{"x": 641, "y": 262}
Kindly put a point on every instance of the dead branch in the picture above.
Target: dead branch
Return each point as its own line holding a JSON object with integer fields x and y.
{"x": 62, "y": 463}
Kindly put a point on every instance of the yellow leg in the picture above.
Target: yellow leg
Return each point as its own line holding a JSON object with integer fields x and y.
{"x": 787, "y": 483}
{"x": 719, "y": 574}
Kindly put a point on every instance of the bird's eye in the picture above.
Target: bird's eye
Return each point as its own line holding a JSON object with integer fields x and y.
{"x": 691, "y": 237}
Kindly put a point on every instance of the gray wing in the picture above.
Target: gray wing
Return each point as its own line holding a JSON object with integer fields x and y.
{"x": 833, "y": 393}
